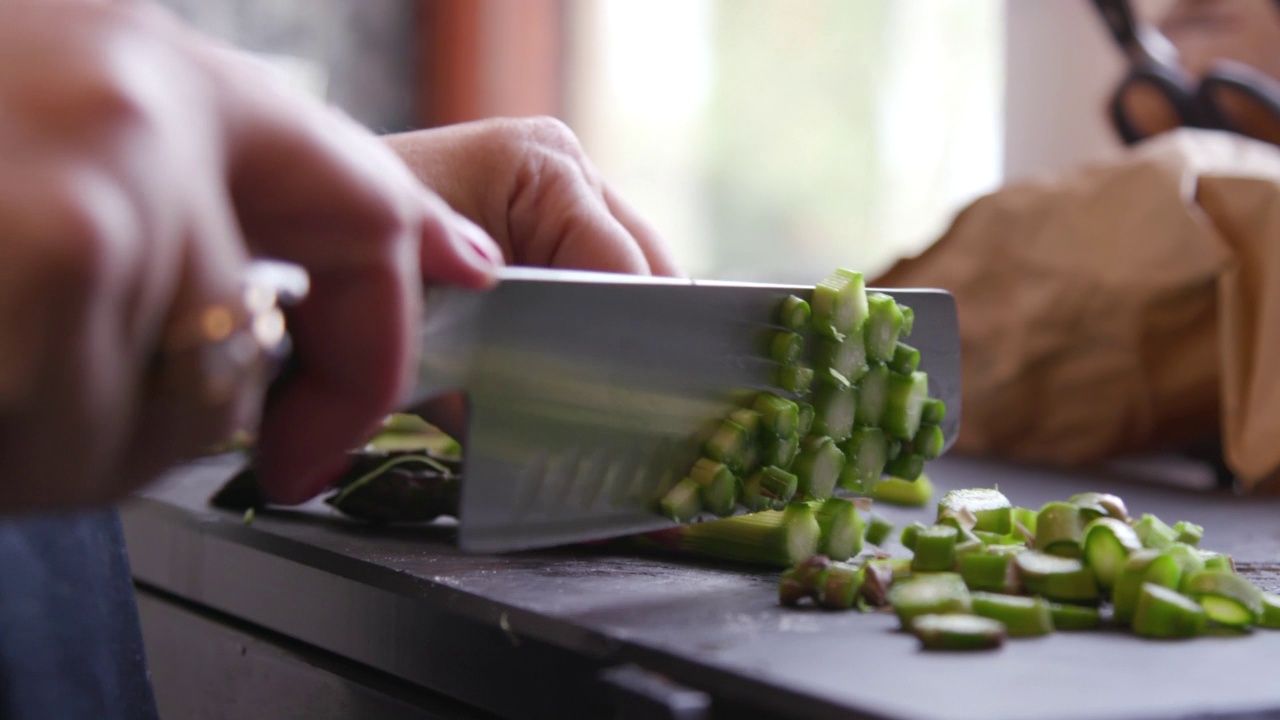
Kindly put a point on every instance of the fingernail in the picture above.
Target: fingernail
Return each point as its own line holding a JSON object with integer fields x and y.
{"x": 480, "y": 241}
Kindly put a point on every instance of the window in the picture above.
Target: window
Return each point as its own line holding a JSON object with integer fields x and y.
{"x": 773, "y": 139}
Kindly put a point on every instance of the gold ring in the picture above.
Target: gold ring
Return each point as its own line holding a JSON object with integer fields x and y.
{"x": 224, "y": 342}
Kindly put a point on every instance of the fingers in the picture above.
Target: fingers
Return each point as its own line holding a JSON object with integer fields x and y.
{"x": 529, "y": 184}
{"x": 331, "y": 198}
{"x": 655, "y": 250}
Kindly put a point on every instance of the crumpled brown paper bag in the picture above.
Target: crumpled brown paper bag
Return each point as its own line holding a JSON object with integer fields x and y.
{"x": 1129, "y": 306}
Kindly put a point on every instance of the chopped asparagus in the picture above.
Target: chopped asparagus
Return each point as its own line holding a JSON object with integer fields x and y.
{"x": 1154, "y": 533}
{"x": 873, "y": 396}
{"x": 1270, "y": 611}
{"x": 793, "y": 313}
{"x": 1108, "y": 543}
{"x": 1059, "y": 530}
{"x": 933, "y": 412}
{"x": 779, "y": 450}
{"x": 683, "y": 502}
{"x": 903, "y": 404}
{"x": 931, "y": 594}
{"x": 989, "y": 572}
{"x": 957, "y": 632}
{"x": 905, "y": 360}
{"x": 1057, "y": 578}
{"x": 818, "y": 466}
{"x": 834, "y": 408}
{"x": 841, "y": 526}
{"x": 1143, "y": 566}
{"x": 804, "y": 419}
{"x": 1188, "y": 533}
{"x": 769, "y": 488}
{"x": 1163, "y": 613}
{"x": 1074, "y": 617}
{"x": 929, "y": 442}
{"x": 786, "y": 347}
{"x": 907, "y": 466}
{"x": 878, "y": 529}
{"x": 1021, "y": 616}
{"x": 1094, "y": 504}
{"x": 839, "y": 304}
{"x": 935, "y": 549}
{"x": 991, "y": 510}
{"x": 1227, "y": 598}
{"x": 896, "y": 491}
{"x": 847, "y": 357}
{"x": 840, "y": 586}
{"x": 866, "y": 453}
{"x": 779, "y": 415}
{"x": 883, "y": 327}
{"x": 779, "y": 538}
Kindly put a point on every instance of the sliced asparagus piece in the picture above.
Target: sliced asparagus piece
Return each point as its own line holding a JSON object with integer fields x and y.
{"x": 842, "y": 528}
{"x": 730, "y": 444}
{"x": 1154, "y": 533}
{"x": 957, "y": 632}
{"x": 847, "y": 357}
{"x": 1093, "y": 505}
{"x": 873, "y": 396}
{"x": 1188, "y": 533}
{"x": 1270, "y": 611}
{"x": 840, "y": 586}
{"x": 878, "y": 529}
{"x": 682, "y": 502}
{"x": 779, "y": 450}
{"x": 905, "y": 360}
{"x": 1074, "y": 617}
{"x": 833, "y": 412}
{"x": 839, "y": 304}
{"x": 991, "y": 510}
{"x": 908, "y": 466}
{"x": 818, "y": 466}
{"x": 779, "y": 415}
{"x": 1021, "y": 616}
{"x": 989, "y": 572}
{"x": 779, "y": 538}
{"x": 933, "y": 412}
{"x": 935, "y": 549}
{"x": 795, "y": 379}
{"x": 1143, "y": 566}
{"x": 1057, "y": 578}
{"x": 931, "y": 594}
{"x": 896, "y": 491}
{"x": 866, "y": 453}
{"x": 1163, "y": 613}
{"x": 769, "y": 488}
{"x": 884, "y": 325}
{"x": 804, "y": 419}
{"x": 719, "y": 485}
{"x": 1059, "y": 530}
{"x": 905, "y": 400}
{"x": 786, "y": 347}
{"x": 1227, "y": 598}
{"x": 1108, "y": 543}
{"x": 928, "y": 442}
{"x": 794, "y": 313}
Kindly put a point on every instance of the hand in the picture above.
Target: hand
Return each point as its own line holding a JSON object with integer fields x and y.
{"x": 143, "y": 165}
{"x": 529, "y": 184}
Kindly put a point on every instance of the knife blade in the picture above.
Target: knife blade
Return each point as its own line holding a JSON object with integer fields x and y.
{"x": 589, "y": 394}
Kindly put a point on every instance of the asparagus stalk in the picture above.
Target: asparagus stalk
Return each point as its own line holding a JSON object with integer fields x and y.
{"x": 878, "y": 529}
{"x": 1108, "y": 543}
{"x": 841, "y": 528}
{"x": 884, "y": 325}
{"x": 958, "y": 632}
{"x": 896, "y": 491}
{"x": 839, "y": 305}
{"x": 991, "y": 510}
{"x": 933, "y": 594}
{"x": 794, "y": 313}
{"x": 1058, "y": 530}
{"x": 1163, "y": 613}
{"x": 1227, "y": 598}
{"x": 935, "y": 549}
{"x": 779, "y": 538}
{"x": 1021, "y": 616}
{"x": 818, "y": 466}
{"x": 1154, "y": 533}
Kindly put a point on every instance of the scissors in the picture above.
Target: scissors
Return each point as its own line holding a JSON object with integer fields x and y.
{"x": 1158, "y": 94}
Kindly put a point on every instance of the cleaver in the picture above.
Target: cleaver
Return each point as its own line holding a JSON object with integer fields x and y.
{"x": 590, "y": 394}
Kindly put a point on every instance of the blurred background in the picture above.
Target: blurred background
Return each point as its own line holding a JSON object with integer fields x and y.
{"x": 766, "y": 139}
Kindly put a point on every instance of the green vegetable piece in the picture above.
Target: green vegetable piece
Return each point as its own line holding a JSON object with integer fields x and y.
{"x": 847, "y": 357}
{"x": 866, "y": 453}
{"x": 840, "y": 586}
{"x": 907, "y": 466}
{"x": 1189, "y": 563}
{"x": 786, "y": 347}
{"x": 768, "y": 488}
{"x": 910, "y": 533}
{"x": 1143, "y": 566}
{"x": 778, "y": 538}
{"x": 730, "y": 444}
{"x": 932, "y": 594}
{"x": 957, "y": 632}
{"x": 991, "y": 538}
{"x": 878, "y": 529}
{"x": 1188, "y": 533}
{"x": 908, "y": 321}
{"x": 884, "y": 325}
{"x": 682, "y": 502}
{"x": 795, "y": 379}
{"x": 1217, "y": 561}
{"x": 1025, "y": 517}
{"x": 839, "y": 304}
{"x": 818, "y": 466}
{"x": 907, "y": 493}
{"x": 1060, "y": 579}
{"x": 905, "y": 360}
{"x": 778, "y": 414}
{"x": 1059, "y": 530}
{"x": 1270, "y": 612}
{"x": 842, "y": 528}
{"x": 1074, "y": 617}
{"x": 1108, "y": 543}
{"x": 873, "y": 396}
{"x": 990, "y": 509}
{"x": 1094, "y": 504}
{"x": 989, "y": 572}
{"x": 1163, "y": 613}
{"x": 899, "y": 568}
{"x": 877, "y": 576}
{"x": 933, "y": 412}
{"x": 1154, "y": 533}
{"x": 803, "y": 579}
{"x": 779, "y": 451}
{"x": 834, "y": 408}
{"x": 929, "y": 442}
{"x": 935, "y": 549}
{"x": 1227, "y": 598}
{"x": 804, "y": 422}
{"x": 794, "y": 313}
{"x": 1021, "y": 616}
{"x": 719, "y": 486}
{"x": 904, "y": 403}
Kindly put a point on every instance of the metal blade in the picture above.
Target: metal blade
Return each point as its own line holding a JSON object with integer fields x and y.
{"x": 591, "y": 394}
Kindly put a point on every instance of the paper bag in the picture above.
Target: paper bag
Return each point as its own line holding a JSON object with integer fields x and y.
{"x": 1128, "y": 306}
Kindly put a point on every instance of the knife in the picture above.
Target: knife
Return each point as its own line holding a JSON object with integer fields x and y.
{"x": 589, "y": 394}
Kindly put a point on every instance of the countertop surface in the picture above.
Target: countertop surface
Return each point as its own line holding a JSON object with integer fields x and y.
{"x": 396, "y": 598}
